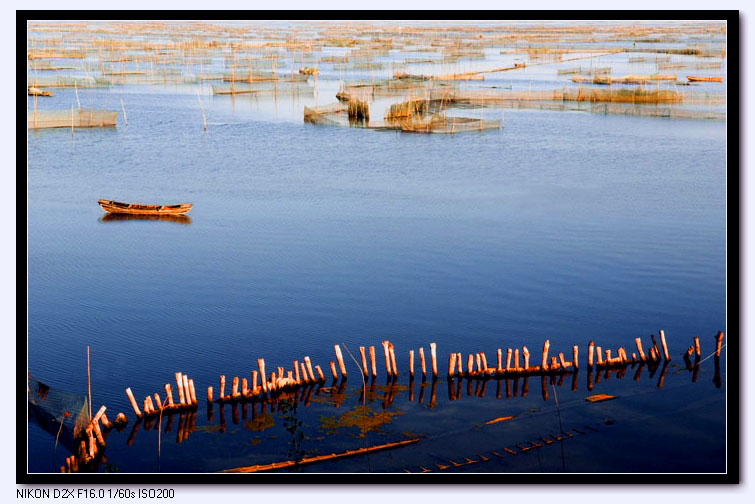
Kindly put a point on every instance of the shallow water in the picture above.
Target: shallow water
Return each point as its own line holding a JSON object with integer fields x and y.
{"x": 563, "y": 226}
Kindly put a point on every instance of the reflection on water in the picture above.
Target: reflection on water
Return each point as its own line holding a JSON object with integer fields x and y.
{"x": 112, "y": 217}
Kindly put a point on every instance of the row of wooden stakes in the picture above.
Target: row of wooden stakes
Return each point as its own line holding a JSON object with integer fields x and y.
{"x": 94, "y": 440}
{"x": 304, "y": 373}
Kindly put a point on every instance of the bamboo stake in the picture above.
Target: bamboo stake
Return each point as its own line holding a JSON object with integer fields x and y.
{"x": 451, "y": 364}
{"x": 311, "y": 374}
{"x": 333, "y": 370}
{"x": 665, "y": 347}
{"x": 89, "y": 383}
{"x": 526, "y": 354}
{"x": 638, "y": 343}
{"x": 187, "y": 392}
{"x": 575, "y": 353}
{"x": 319, "y": 373}
{"x": 697, "y": 347}
{"x": 544, "y": 365}
{"x": 254, "y": 381}
{"x": 341, "y": 365}
{"x": 411, "y": 364}
{"x": 484, "y": 361}
{"x": 434, "y": 361}
{"x": 590, "y": 354}
{"x": 459, "y": 363}
{"x": 263, "y": 376}
{"x": 204, "y": 122}
{"x": 235, "y": 388}
{"x": 516, "y": 359}
{"x": 133, "y": 402}
{"x": 470, "y": 365}
{"x": 221, "y": 390}
{"x": 209, "y": 394}
{"x": 125, "y": 119}
{"x": 373, "y": 363}
{"x": 393, "y": 360}
{"x": 388, "y": 370}
{"x": 599, "y": 354}
{"x": 168, "y": 395}
{"x": 297, "y": 377}
{"x": 422, "y": 362}
{"x": 365, "y": 371}
{"x": 509, "y": 353}
{"x": 719, "y": 341}
{"x": 180, "y": 388}
{"x": 158, "y": 401}
{"x": 499, "y": 367}
{"x": 478, "y": 361}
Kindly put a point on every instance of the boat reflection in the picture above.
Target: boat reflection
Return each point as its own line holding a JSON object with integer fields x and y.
{"x": 113, "y": 217}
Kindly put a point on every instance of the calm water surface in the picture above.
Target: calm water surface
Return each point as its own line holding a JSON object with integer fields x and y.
{"x": 563, "y": 225}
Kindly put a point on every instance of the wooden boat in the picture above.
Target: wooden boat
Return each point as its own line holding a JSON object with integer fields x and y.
{"x": 705, "y": 79}
{"x": 126, "y": 208}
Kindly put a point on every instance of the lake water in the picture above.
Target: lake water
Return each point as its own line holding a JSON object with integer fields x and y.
{"x": 564, "y": 226}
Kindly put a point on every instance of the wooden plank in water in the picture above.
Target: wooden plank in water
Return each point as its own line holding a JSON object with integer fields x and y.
{"x": 599, "y": 398}
{"x": 320, "y": 458}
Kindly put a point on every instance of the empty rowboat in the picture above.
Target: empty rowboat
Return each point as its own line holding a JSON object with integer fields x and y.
{"x": 705, "y": 79}
{"x": 126, "y": 208}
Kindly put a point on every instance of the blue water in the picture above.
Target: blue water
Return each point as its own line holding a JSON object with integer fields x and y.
{"x": 563, "y": 226}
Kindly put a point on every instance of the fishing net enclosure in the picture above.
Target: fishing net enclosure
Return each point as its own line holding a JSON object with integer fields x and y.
{"x": 81, "y": 118}
{"x": 52, "y": 408}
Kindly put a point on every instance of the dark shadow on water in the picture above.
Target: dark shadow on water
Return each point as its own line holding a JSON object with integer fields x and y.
{"x": 179, "y": 219}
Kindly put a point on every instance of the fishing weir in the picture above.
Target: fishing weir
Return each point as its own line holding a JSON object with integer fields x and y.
{"x": 305, "y": 382}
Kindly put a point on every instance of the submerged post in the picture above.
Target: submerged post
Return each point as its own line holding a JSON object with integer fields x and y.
{"x": 373, "y": 363}
{"x": 638, "y": 343}
{"x": 365, "y": 371}
{"x": 339, "y": 357}
{"x": 546, "y": 345}
{"x": 133, "y": 402}
{"x": 665, "y": 347}
{"x": 434, "y": 361}
{"x": 719, "y": 341}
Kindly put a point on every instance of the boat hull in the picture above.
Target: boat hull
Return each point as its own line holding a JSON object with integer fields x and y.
{"x": 116, "y": 207}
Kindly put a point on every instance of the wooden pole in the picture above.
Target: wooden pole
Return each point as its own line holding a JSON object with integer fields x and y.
{"x": 484, "y": 361}
{"x": 451, "y": 364}
{"x": 388, "y": 370}
{"x": 340, "y": 361}
{"x": 133, "y": 402}
{"x": 393, "y": 359}
{"x": 235, "y": 388}
{"x": 719, "y": 341}
{"x": 411, "y": 364}
{"x": 697, "y": 347}
{"x": 168, "y": 395}
{"x": 373, "y": 363}
{"x": 311, "y": 374}
{"x": 221, "y": 390}
{"x": 499, "y": 367}
{"x": 546, "y": 345}
{"x": 297, "y": 377}
{"x": 187, "y": 392}
{"x": 422, "y": 362}
{"x": 665, "y": 347}
{"x": 304, "y": 373}
{"x": 365, "y": 371}
{"x": 158, "y": 401}
{"x": 333, "y": 370}
{"x": 526, "y": 354}
{"x": 459, "y": 364}
{"x": 590, "y": 354}
{"x": 254, "y": 381}
{"x": 125, "y": 119}
{"x": 209, "y": 394}
{"x": 180, "y": 388}
{"x": 434, "y": 359}
{"x": 575, "y": 353}
{"x": 516, "y": 359}
{"x": 320, "y": 375}
{"x": 638, "y": 343}
{"x": 470, "y": 365}
{"x": 509, "y": 354}
{"x": 89, "y": 383}
{"x": 263, "y": 376}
